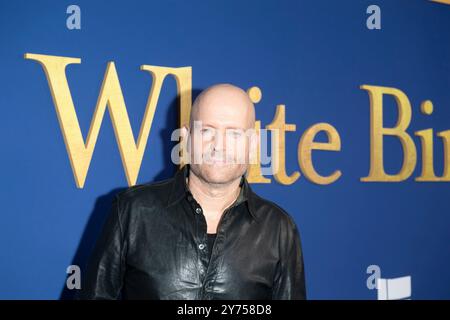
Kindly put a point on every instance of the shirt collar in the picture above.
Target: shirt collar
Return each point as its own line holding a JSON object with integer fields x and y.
{"x": 180, "y": 189}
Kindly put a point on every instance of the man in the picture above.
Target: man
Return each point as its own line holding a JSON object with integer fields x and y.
{"x": 202, "y": 234}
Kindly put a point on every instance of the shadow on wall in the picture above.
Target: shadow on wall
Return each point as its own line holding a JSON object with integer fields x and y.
{"x": 103, "y": 203}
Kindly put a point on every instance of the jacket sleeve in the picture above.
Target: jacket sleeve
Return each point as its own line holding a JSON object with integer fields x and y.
{"x": 289, "y": 281}
{"x": 104, "y": 275}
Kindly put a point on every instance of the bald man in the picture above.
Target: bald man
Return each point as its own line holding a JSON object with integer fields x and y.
{"x": 202, "y": 234}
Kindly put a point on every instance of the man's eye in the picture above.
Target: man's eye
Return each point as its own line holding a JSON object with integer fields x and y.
{"x": 236, "y": 134}
{"x": 206, "y": 132}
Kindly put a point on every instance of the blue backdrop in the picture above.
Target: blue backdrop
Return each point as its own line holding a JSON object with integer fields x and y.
{"x": 311, "y": 56}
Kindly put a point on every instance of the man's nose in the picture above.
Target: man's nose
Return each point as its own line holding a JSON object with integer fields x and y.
{"x": 219, "y": 143}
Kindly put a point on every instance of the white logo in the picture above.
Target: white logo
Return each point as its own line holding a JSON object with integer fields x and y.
{"x": 373, "y": 22}
{"x": 74, "y": 279}
{"x": 74, "y": 20}
{"x": 394, "y": 289}
{"x": 388, "y": 289}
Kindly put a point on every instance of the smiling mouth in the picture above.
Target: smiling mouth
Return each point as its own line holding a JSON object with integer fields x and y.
{"x": 219, "y": 161}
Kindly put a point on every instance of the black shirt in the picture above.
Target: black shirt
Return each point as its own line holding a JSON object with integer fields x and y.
{"x": 211, "y": 238}
{"x": 154, "y": 245}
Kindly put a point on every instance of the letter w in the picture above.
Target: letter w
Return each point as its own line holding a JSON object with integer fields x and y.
{"x": 80, "y": 153}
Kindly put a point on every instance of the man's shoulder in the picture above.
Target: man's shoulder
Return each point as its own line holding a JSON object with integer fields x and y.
{"x": 149, "y": 193}
{"x": 270, "y": 211}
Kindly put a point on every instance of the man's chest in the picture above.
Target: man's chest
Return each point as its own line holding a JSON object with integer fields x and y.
{"x": 170, "y": 259}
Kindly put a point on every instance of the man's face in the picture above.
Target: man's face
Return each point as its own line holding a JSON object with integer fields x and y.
{"x": 220, "y": 139}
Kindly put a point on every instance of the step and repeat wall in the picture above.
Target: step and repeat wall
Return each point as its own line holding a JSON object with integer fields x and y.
{"x": 359, "y": 92}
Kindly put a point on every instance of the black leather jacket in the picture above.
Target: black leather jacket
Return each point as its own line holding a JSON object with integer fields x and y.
{"x": 153, "y": 246}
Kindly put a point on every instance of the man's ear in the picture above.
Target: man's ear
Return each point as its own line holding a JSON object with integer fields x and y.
{"x": 184, "y": 132}
{"x": 185, "y": 140}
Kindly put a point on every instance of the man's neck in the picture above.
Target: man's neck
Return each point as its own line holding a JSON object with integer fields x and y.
{"x": 214, "y": 198}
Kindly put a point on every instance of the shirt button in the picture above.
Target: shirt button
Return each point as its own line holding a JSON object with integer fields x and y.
{"x": 198, "y": 210}
{"x": 201, "y": 246}
{"x": 190, "y": 198}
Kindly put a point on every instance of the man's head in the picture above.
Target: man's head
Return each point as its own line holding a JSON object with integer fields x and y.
{"x": 221, "y": 134}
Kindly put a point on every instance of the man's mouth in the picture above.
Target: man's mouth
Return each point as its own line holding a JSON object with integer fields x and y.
{"x": 217, "y": 161}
